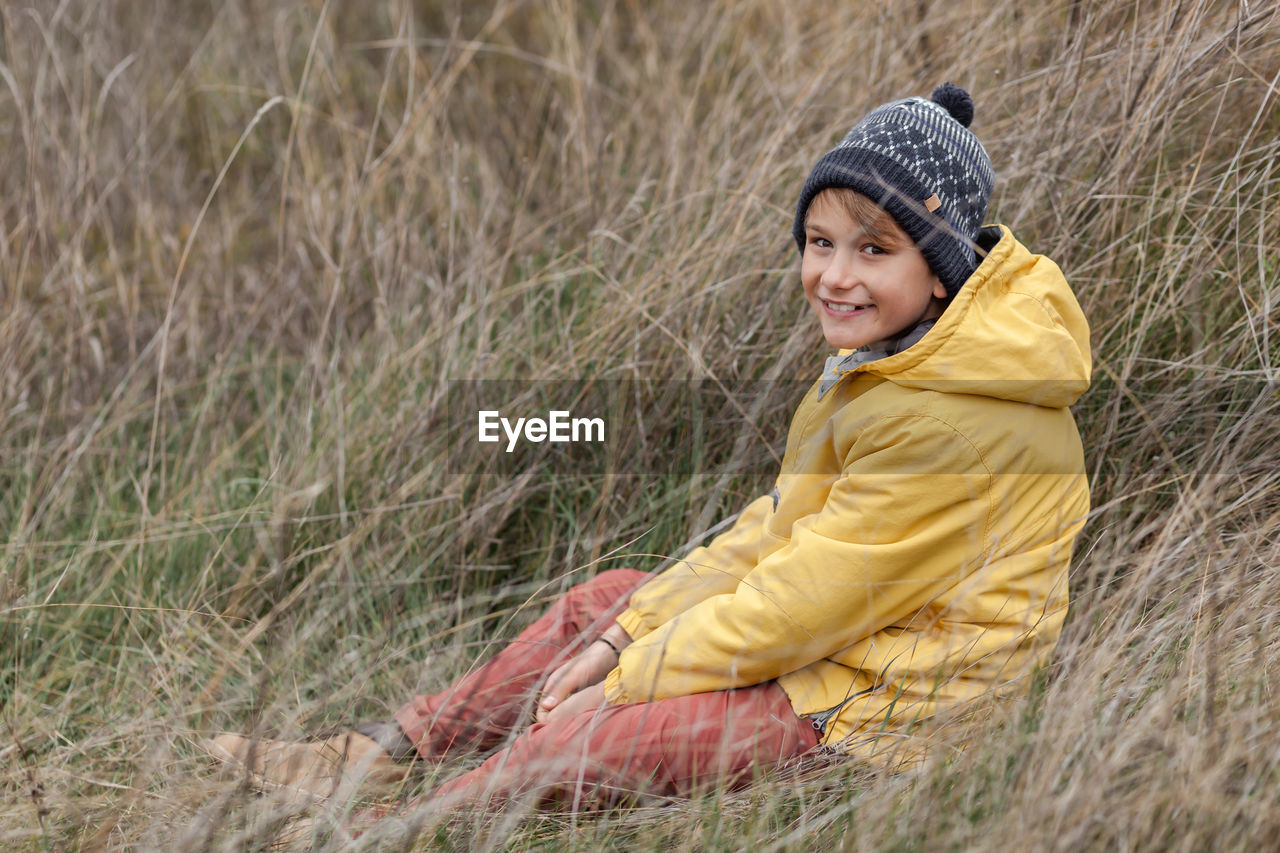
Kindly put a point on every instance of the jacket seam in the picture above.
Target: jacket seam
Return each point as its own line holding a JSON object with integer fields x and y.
{"x": 1048, "y": 315}
{"x": 982, "y": 459}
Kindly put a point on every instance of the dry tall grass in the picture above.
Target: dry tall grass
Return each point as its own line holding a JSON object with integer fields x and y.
{"x": 243, "y": 250}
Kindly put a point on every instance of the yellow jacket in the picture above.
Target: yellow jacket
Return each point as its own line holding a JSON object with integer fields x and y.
{"x": 914, "y": 553}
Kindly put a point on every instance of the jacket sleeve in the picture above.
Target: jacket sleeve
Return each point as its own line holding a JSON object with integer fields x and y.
{"x": 706, "y": 571}
{"x": 907, "y": 519}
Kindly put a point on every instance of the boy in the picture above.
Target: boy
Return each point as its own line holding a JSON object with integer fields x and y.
{"x": 912, "y": 556}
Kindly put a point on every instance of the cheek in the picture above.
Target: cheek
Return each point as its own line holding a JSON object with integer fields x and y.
{"x": 809, "y": 275}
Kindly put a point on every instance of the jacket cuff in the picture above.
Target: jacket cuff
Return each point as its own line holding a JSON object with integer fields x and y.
{"x": 613, "y": 687}
{"x": 633, "y": 623}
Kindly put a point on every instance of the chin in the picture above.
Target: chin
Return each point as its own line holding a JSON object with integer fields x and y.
{"x": 845, "y": 341}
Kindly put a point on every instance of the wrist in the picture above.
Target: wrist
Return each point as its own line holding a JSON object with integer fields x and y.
{"x": 604, "y": 639}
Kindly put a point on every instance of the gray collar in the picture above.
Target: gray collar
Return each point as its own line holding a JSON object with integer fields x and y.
{"x": 839, "y": 366}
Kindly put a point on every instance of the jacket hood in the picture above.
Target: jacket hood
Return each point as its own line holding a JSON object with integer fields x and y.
{"x": 1014, "y": 331}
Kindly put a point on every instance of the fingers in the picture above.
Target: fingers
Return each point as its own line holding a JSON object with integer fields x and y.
{"x": 566, "y": 681}
{"x": 585, "y": 700}
{"x": 586, "y": 669}
{"x": 559, "y": 685}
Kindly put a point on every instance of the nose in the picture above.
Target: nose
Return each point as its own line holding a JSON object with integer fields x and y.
{"x": 841, "y": 272}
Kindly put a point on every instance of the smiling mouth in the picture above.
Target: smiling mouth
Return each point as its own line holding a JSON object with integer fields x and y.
{"x": 843, "y": 307}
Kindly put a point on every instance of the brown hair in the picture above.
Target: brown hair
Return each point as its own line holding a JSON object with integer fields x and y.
{"x": 874, "y": 220}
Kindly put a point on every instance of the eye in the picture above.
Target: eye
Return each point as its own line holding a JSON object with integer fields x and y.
{"x": 873, "y": 249}
{"x": 819, "y": 241}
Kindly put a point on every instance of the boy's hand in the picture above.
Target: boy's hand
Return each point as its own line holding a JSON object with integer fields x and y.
{"x": 586, "y": 699}
{"x": 586, "y": 669}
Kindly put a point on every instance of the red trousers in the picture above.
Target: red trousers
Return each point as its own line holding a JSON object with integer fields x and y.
{"x": 670, "y": 747}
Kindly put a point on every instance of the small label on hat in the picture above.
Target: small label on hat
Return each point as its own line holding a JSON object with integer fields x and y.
{"x": 932, "y": 203}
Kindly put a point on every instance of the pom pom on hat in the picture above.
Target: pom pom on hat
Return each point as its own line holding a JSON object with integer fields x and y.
{"x": 954, "y": 100}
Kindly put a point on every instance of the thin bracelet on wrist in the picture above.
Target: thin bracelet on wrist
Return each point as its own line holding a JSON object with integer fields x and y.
{"x": 617, "y": 651}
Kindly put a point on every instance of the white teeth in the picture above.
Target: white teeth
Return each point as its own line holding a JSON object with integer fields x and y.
{"x": 843, "y": 309}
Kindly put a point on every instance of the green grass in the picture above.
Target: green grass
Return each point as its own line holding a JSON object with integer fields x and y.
{"x": 244, "y": 251}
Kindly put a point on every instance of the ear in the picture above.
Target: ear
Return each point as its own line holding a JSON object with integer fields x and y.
{"x": 939, "y": 290}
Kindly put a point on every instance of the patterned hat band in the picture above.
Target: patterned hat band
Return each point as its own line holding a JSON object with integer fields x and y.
{"x": 917, "y": 159}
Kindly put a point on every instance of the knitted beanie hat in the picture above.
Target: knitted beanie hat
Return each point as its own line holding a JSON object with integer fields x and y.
{"x": 917, "y": 159}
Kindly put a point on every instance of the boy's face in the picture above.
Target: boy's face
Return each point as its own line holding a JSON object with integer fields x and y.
{"x": 863, "y": 291}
